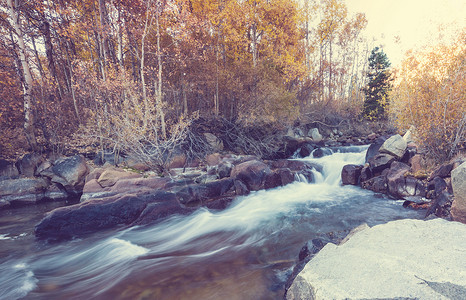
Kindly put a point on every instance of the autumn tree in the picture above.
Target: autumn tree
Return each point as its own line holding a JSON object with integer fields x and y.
{"x": 378, "y": 86}
{"x": 430, "y": 93}
{"x": 23, "y": 69}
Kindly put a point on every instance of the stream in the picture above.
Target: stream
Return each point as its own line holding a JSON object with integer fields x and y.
{"x": 246, "y": 251}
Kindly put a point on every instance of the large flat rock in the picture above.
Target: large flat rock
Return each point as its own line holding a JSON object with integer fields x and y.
{"x": 404, "y": 259}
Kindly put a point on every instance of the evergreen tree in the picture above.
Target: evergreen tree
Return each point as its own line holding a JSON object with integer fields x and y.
{"x": 378, "y": 86}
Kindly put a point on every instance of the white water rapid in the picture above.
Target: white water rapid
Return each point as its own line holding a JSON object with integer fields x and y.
{"x": 243, "y": 252}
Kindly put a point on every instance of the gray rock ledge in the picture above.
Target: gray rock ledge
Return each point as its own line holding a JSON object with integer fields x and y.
{"x": 404, "y": 259}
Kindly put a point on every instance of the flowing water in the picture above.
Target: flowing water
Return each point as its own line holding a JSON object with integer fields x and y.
{"x": 246, "y": 251}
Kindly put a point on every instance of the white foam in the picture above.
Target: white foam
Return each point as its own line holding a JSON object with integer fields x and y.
{"x": 5, "y": 237}
{"x": 122, "y": 249}
{"x": 20, "y": 280}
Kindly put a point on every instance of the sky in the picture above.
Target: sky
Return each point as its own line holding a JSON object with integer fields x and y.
{"x": 415, "y": 22}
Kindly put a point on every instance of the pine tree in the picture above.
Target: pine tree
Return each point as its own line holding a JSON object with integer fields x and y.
{"x": 378, "y": 86}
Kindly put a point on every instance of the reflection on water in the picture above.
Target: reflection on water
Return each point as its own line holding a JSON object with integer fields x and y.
{"x": 243, "y": 252}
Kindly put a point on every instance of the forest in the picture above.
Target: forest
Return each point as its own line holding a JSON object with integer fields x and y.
{"x": 118, "y": 72}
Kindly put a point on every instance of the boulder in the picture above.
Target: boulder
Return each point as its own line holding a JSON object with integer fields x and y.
{"x": 111, "y": 175}
{"x": 380, "y": 162}
{"x": 240, "y": 188}
{"x": 195, "y": 195}
{"x": 366, "y": 173}
{"x": 70, "y": 173}
{"x": 224, "y": 170}
{"x": 442, "y": 171}
{"x": 321, "y": 152}
{"x": 55, "y": 193}
{"x": 137, "y": 186}
{"x": 28, "y": 164}
{"x": 306, "y": 149}
{"x": 213, "y": 159}
{"x": 23, "y": 191}
{"x": 315, "y": 135}
{"x": 404, "y": 259}
{"x": 8, "y": 170}
{"x": 178, "y": 160}
{"x": 288, "y": 147}
{"x": 350, "y": 174}
{"x": 252, "y": 173}
{"x": 279, "y": 177}
{"x": 417, "y": 163}
{"x": 394, "y": 145}
{"x": 98, "y": 214}
{"x": 458, "y": 181}
{"x": 373, "y": 149}
{"x": 214, "y": 142}
{"x": 440, "y": 205}
{"x": 409, "y": 153}
{"x": 376, "y": 184}
{"x": 400, "y": 185}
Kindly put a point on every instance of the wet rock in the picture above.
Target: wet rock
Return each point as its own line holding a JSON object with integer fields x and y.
{"x": 159, "y": 210}
{"x": 279, "y": 177}
{"x": 458, "y": 180}
{"x": 373, "y": 149}
{"x": 379, "y": 263}
{"x": 240, "y": 188}
{"x": 321, "y": 152}
{"x": 252, "y": 173}
{"x": 23, "y": 191}
{"x": 111, "y": 175}
{"x": 70, "y": 173}
{"x": 4, "y": 204}
{"x": 197, "y": 194}
{"x": 440, "y": 205}
{"x": 350, "y": 174}
{"x": 376, "y": 184}
{"x": 289, "y": 147}
{"x": 8, "y": 170}
{"x": 224, "y": 170}
{"x": 94, "y": 215}
{"x": 366, "y": 174}
{"x": 28, "y": 164}
{"x": 380, "y": 162}
{"x": 394, "y": 145}
{"x": 55, "y": 193}
{"x": 399, "y": 185}
{"x": 294, "y": 288}
{"x": 137, "y": 186}
{"x": 437, "y": 185}
{"x": 219, "y": 204}
{"x": 306, "y": 149}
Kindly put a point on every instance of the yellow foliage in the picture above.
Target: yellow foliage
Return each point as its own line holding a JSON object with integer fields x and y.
{"x": 430, "y": 94}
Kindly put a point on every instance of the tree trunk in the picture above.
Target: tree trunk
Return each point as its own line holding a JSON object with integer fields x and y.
{"x": 159, "y": 78}
{"x": 26, "y": 80}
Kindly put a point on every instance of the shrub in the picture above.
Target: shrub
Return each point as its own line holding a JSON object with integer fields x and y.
{"x": 430, "y": 94}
